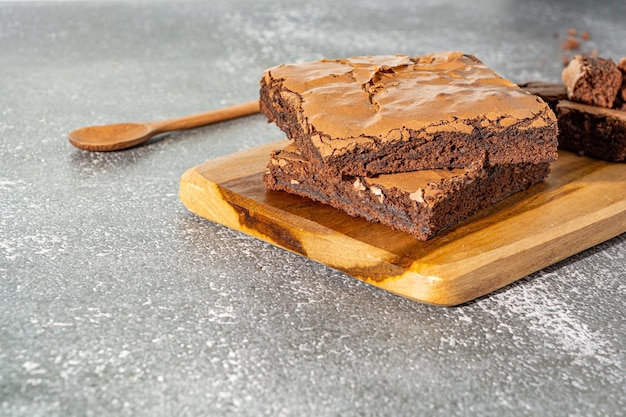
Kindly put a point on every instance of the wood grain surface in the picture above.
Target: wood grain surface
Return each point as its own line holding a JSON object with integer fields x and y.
{"x": 582, "y": 203}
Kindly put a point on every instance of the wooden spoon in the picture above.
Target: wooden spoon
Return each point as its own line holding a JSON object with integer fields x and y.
{"x": 125, "y": 135}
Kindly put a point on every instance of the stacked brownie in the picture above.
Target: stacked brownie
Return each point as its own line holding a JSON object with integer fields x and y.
{"x": 590, "y": 105}
{"x": 593, "y": 119}
{"x": 416, "y": 143}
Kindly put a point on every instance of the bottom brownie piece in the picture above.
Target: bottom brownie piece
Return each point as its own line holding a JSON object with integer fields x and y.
{"x": 594, "y": 131}
{"x": 422, "y": 203}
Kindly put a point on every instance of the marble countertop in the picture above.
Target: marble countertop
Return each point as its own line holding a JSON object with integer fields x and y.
{"x": 116, "y": 300}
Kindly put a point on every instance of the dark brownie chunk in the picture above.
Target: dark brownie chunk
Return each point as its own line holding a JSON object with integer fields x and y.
{"x": 386, "y": 114}
{"x": 594, "y": 131}
{"x": 592, "y": 80}
{"x": 422, "y": 203}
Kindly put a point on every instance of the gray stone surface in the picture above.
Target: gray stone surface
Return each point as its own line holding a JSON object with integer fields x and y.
{"x": 117, "y": 301}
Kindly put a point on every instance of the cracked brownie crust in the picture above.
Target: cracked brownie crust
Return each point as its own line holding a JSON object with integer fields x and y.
{"x": 382, "y": 114}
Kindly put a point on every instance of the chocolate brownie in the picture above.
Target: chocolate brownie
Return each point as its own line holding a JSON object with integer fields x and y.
{"x": 594, "y": 131}
{"x": 592, "y": 80}
{"x": 422, "y": 203}
{"x": 387, "y": 114}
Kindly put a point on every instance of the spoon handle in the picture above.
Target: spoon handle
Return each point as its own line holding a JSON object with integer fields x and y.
{"x": 205, "y": 118}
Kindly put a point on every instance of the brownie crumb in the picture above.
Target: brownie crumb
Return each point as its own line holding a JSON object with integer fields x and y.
{"x": 570, "y": 44}
{"x": 574, "y": 43}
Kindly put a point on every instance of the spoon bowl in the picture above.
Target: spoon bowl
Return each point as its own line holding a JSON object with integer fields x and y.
{"x": 120, "y": 136}
{"x": 111, "y": 137}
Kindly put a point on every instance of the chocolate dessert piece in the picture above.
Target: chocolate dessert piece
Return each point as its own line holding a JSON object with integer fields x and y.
{"x": 592, "y": 80}
{"x": 422, "y": 203}
{"x": 388, "y": 114}
{"x": 593, "y": 131}
{"x": 551, "y": 93}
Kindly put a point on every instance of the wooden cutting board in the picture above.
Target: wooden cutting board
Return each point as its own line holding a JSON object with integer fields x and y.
{"x": 582, "y": 203}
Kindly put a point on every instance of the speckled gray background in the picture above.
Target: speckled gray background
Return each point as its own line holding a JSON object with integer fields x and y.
{"x": 117, "y": 301}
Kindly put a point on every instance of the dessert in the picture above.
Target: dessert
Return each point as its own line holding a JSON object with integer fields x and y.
{"x": 587, "y": 129}
{"x": 422, "y": 203}
{"x": 592, "y": 80}
{"x": 388, "y": 114}
{"x": 593, "y": 131}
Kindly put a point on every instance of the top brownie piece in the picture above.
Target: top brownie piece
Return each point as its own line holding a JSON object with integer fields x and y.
{"x": 592, "y": 80}
{"x": 382, "y": 114}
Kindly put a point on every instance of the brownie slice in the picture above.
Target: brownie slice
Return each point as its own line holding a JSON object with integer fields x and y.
{"x": 592, "y": 80}
{"x": 385, "y": 114}
{"x": 594, "y": 131}
{"x": 422, "y": 203}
